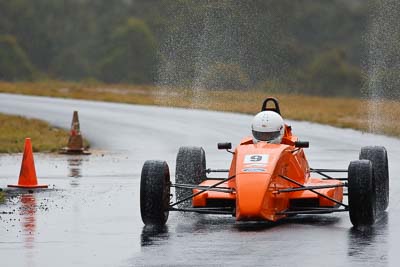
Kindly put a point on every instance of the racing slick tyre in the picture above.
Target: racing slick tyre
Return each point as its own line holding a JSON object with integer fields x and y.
{"x": 378, "y": 156}
{"x": 154, "y": 192}
{"x": 190, "y": 169}
{"x": 361, "y": 193}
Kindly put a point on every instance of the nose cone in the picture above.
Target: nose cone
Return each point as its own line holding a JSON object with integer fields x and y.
{"x": 251, "y": 193}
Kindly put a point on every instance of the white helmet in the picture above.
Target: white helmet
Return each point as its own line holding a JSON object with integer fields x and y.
{"x": 268, "y": 126}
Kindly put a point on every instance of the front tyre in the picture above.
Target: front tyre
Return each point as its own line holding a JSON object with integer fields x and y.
{"x": 190, "y": 170}
{"x": 378, "y": 156}
{"x": 361, "y": 193}
{"x": 155, "y": 192}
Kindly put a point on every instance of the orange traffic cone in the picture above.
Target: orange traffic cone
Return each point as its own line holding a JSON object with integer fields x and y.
{"x": 27, "y": 175}
{"x": 75, "y": 141}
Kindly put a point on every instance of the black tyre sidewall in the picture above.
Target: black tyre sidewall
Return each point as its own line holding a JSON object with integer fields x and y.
{"x": 154, "y": 192}
{"x": 190, "y": 169}
{"x": 361, "y": 193}
{"x": 378, "y": 156}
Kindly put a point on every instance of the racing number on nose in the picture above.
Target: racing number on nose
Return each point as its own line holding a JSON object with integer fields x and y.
{"x": 256, "y": 158}
{"x": 261, "y": 158}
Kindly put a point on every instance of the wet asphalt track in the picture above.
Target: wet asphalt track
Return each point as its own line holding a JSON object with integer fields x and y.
{"x": 90, "y": 216}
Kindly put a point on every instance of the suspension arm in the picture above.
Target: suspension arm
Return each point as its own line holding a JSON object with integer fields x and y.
{"x": 312, "y": 190}
{"x": 294, "y": 189}
{"x": 203, "y": 190}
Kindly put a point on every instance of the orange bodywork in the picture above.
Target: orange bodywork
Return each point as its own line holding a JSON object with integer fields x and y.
{"x": 258, "y": 169}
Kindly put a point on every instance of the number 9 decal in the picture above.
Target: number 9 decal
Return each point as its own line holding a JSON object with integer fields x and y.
{"x": 259, "y": 158}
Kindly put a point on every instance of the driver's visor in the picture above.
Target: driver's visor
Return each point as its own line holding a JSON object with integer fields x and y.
{"x": 266, "y": 136}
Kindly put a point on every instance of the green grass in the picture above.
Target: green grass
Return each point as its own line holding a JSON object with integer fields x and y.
{"x": 2, "y": 197}
{"x": 335, "y": 111}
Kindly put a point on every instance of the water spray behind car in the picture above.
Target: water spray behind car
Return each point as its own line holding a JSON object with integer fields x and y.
{"x": 209, "y": 48}
{"x": 382, "y": 62}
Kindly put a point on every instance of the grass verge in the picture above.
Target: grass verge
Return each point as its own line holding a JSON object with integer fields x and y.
{"x": 377, "y": 117}
{"x": 14, "y": 130}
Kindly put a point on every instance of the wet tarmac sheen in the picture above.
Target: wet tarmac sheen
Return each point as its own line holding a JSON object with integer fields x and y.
{"x": 90, "y": 215}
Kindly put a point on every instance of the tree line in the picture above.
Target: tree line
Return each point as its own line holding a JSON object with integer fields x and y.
{"x": 306, "y": 46}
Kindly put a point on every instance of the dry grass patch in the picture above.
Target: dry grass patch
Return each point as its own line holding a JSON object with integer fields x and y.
{"x": 14, "y": 130}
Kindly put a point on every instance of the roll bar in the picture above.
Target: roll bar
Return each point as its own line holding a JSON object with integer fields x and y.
{"x": 276, "y": 103}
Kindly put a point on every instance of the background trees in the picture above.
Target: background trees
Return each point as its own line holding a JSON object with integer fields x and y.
{"x": 311, "y": 46}
{"x": 130, "y": 55}
{"x": 14, "y": 64}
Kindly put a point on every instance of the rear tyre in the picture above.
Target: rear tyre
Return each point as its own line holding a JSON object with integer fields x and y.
{"x": 155, "y": 192}
{"x": 378, "y": 156}
{"x": 361, "y": 193}
{"x": 190, "y": 169}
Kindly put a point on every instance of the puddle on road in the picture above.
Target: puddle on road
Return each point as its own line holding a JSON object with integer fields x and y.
{"x": 88, "y": 208}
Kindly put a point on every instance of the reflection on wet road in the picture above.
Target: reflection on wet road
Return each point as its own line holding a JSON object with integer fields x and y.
{"x": 28, "y": 222}
{"x": 74, "y": 165}
{"x": 90, "y": 216}
{"x": 363, "y": 244}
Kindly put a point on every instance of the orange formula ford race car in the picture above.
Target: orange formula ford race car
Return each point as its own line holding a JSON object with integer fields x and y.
{"x": 266, "y": 182}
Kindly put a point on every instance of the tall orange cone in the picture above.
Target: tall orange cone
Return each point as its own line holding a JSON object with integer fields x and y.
{"x": 75, "y": 141}
{"x": 27, "y": 175}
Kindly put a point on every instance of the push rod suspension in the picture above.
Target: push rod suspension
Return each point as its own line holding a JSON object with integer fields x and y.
{"x": 321, "y": 172}
{"x": 294, "y": 189}
{"x": 327, "y": 170}
{"x": 217, "y": 189}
